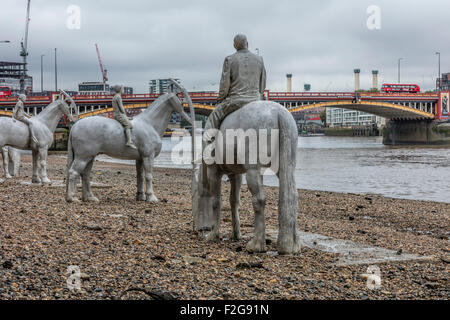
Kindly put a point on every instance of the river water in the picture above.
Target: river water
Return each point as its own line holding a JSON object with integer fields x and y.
{"x": 354, "y": 165}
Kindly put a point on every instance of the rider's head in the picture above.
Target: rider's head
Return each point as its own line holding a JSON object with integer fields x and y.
{"x": 117, "y": 88}
{"x": 240, "y": 42}
{"x": 22, "y": 97}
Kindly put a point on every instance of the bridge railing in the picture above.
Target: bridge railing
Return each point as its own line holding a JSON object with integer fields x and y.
{"x": 399, "y": 95}
{"x": 209, "y": 96}
{"x": 309, "y": 94}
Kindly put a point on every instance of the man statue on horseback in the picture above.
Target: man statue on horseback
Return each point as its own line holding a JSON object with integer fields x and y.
{"x": 243, "y": 81}
{"x": 120, "y": 115}
{"x": 241, "y": 111}
{"x": 19, "y": 114}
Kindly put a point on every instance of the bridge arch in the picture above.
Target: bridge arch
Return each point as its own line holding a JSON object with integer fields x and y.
{"x": 383, "y": 109}
{"x": 6, "y": 113}
{"x": 202, "y": 109}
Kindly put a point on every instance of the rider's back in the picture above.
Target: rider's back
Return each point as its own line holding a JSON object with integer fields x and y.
{"x": 246, "y": 71}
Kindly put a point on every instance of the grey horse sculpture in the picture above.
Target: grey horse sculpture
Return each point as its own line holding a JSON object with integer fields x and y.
{"x": 100, "y": 135}
{"x": 206, "y": 195}
{"x": 17, "y": 135}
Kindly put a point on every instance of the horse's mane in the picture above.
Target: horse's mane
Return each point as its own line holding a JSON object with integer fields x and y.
{"x": 50, "y": 107}
{"x": 156, "y": 104}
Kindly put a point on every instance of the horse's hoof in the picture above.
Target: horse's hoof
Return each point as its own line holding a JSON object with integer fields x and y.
{"x": 36, "y": 180}
{"x": 256, "y": 246}
{"x": 213, "y": 237}
{"x": 236, "y": 237}
{"x": 72, "y": 200}
{"x": 141, "y": 197}
{"x": 152, "y": 198}
{"x": 93, "y": 199}
{"x": 8, "y": 176}
{"x": 288, "y": 245}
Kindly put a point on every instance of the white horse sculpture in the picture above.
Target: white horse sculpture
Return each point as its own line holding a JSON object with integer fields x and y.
{"x": 99, "y": 135}
{"x": 206, "y": 195}
{"x": 16, "y": 134}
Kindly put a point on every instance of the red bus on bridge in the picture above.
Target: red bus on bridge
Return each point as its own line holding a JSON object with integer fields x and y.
{"x": 400, "y": 88}
{"x": 5, "y": 92}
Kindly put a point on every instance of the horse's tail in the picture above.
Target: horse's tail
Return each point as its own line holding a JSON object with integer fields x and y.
{"x": 288, "y": 238}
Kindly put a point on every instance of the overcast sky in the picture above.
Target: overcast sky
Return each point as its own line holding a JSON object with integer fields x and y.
{"x": 319, "y": 42}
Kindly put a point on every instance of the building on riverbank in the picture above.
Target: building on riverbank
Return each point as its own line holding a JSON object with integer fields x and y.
{"x": 339, "y": 117}
{"x": 10, "y": 74}
{"x": 160, "y": 85}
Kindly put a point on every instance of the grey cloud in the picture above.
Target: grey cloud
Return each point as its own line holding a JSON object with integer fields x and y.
{"x": 319, "y": 42}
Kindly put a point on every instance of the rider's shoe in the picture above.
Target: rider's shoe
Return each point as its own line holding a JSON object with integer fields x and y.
{"x": 131, "y": 145}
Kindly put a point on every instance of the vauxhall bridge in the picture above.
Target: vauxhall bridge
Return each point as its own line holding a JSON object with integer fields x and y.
{"x": 394, "y": 106}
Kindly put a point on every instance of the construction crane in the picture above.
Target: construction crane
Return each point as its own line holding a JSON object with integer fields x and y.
{"x": 24, "y": 52}
{"x": 104, "y": 71}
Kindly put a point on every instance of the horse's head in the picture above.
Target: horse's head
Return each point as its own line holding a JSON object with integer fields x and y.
{"x": 177, "y": 104}
{"x": 66, "y": 108}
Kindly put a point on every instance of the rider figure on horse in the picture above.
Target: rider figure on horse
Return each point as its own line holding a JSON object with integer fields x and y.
{"x": 19, "y": 114}
{"x": 243, "y": 81}
{"x": 120, "y": 115}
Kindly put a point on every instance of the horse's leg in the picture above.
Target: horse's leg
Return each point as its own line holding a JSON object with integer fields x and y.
{"x": 148, "y": 168}
{"x": 75, "y": 170}
{"x": 14, "y": 161}
{"x": 35, "y": 178}
{"x": 86, "y": 183}
{"x": 254, "y": 182}
{"x": 236, "y": 181}
{"x": 1, "y": 180}
{"x": 6, "y": 162}
{"x": 140, "y": 196}
{"x": 43, "y": 162}
{"x": 215, "y": 186}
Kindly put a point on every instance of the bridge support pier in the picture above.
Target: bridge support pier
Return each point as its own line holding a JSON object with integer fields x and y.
{"x": 398, "y": 132}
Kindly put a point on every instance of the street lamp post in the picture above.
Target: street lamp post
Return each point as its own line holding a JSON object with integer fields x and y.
{"x": 42, "y": 73}
{"x": 438, "y": 86}
{"x": 399, "y": 59}
{"x": 56, "y": 73}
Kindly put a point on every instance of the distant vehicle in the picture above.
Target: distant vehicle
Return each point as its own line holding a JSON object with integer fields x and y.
{"x": 5, "y": 92}
{"x": 400, "y": 88}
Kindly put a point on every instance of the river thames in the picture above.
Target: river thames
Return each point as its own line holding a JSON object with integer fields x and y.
{"x": 356, "y": 165}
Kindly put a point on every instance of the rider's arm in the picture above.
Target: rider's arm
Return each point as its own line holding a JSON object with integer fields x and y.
{"x": 262, "y": 81}
{"x": 225, "y": 81}
{"x": 120, "y": 104}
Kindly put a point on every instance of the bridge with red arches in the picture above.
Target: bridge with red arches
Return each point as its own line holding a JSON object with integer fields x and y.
{"x": 395, "y": 106}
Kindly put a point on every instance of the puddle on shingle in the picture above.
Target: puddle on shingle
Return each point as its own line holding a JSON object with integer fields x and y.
{"x": 350, "y": 252}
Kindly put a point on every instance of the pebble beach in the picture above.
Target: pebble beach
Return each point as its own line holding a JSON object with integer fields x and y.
{"x": 125, "y": 249}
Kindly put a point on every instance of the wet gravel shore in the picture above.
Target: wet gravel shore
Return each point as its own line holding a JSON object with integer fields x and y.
{"x": 120, "y": 244}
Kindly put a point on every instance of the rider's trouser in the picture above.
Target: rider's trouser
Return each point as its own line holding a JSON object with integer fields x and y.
{"x": 220, "y": 112}
{"x": 30, "y": 127}
{"x": 216, "y": 117}
{"x": 28, "y": 123}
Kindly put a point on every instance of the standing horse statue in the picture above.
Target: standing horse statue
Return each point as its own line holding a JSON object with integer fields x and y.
{"x": 206, "y": 193}
{"x": 16, "y": 134}
{"x": 100, "y": 135}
